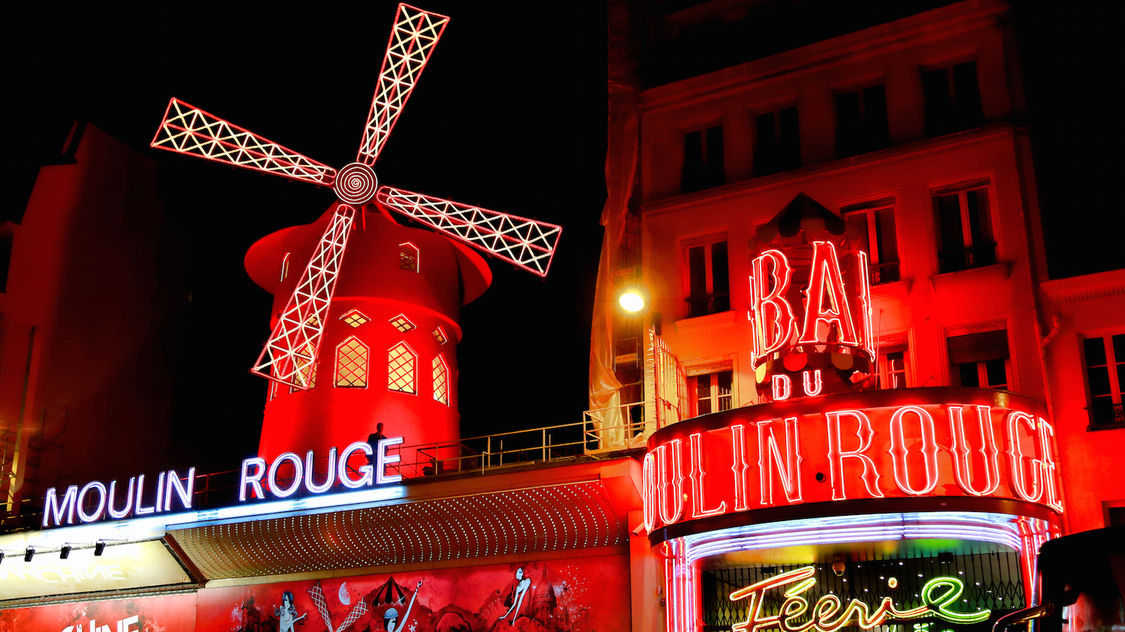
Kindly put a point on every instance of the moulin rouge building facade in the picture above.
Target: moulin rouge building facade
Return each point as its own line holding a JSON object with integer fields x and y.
{"x": 848, "y": 401}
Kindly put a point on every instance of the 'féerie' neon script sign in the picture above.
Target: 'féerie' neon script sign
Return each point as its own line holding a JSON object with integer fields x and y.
{"x": 830, "y": 614}
{"x": 815, "y": 451}
{"x": 172, "y": 492}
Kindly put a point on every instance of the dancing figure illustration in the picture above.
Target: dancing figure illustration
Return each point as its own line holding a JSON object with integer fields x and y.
{"x": 287, "y": 613}
{"x": 515, "y": 597}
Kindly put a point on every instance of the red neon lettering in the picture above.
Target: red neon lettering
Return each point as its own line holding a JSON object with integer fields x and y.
{"x": 1046, "y": 443}
{"x": 960, "y": 449}
{"x": 826, "y": 279}
{"x": 670, "y": 515}
{"x": 868, "y": 341}
{"x": 769, "y": 458}
{"x": 739, "y": 467}
{"x": 899, "y": 451}
{"x": 781, "y": 386}
{"x": 836, "y": 456}
{"x": 698, "y": 502}
{"x": 648, "y": 492}
{"x": 813, "y": 387}
{"x": 1016, "y": 458}
{"x": 772, "y": 314}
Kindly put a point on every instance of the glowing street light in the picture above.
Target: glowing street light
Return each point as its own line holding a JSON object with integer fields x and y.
{"x": 632, "y": 301}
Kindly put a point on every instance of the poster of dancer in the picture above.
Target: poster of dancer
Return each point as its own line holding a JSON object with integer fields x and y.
{"x": 567, "y": 595}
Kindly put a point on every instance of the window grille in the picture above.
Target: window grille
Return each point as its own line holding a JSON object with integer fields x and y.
{"x": 441, "y": 381}
{"x": 351, "y": 364}
{"x": 400, "y": 369}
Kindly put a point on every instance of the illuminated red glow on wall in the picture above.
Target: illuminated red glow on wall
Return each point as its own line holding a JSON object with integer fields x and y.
{"x": 903, "y": 444}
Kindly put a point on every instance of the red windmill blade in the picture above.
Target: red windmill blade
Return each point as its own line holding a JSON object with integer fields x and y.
{"x": 294, "y": 344}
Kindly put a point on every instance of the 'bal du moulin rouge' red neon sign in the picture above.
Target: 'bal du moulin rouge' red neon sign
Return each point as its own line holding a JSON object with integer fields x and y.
{"x": 891, "y": 444}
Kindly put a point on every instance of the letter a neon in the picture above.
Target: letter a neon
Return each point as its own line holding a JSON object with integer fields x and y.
{"x": 825, "y": 278}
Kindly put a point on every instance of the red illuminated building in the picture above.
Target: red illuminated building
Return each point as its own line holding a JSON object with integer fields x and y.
{"x": 845, "y": 394}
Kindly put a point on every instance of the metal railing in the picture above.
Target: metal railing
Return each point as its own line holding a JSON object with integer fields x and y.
{"x": 601, "y": 432}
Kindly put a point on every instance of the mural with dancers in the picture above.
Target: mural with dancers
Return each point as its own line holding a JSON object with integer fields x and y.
{"x": 570, "y": 595}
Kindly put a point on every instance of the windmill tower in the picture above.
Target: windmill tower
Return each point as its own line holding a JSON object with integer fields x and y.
{"x": 366, "y": 310}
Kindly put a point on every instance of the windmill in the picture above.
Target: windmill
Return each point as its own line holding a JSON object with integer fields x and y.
{"x": 294, "y": 344}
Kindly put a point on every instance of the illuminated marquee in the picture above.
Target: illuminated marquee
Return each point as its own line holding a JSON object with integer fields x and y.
{"x": 829, "y": 613}
{"x": 907, "y": 443}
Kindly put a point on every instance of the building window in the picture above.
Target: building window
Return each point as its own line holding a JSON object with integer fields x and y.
{"x": 308, "y": 369}
{"x": 441, "y": 380}
{"x": 439, "y": 335}
{"x": 351, "y": 364}
{"x": 964, "y": 224}
{"x": 402, "y": 323}
{"x": 707, "y": 276}
{"x": 408, "y": 257}
{"x": 892, "y": 368}
{"x": 354, "y": 318}
{"x": 777, "y": 144}
{"x": 1105, "y": 374}
{"x": 400, "y": 369}
{"x": 861, "y": 121}
{"x": 703, "y": 160}
{"x": 952, "y": 98}
{"x": 712, "y": 392}
{"x": 980, "y": 360}
{"x": 874, "y": 222}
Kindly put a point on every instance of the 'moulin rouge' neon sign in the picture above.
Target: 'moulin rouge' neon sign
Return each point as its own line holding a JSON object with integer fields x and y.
{"x": 285, "y": 476}
{"x": 889, "y": 444}
{"x": 829, "y": 613}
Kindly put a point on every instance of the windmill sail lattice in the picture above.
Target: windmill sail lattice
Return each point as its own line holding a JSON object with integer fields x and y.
{"x": 413, "y": 38}
{"x": 526, "y": 243}
{"x": 189, "y": 130}
{"x": 290, "y": 353}
{"x": 295, "y": 341}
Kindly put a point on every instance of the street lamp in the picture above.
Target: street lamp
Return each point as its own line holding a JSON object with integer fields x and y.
{"x": 632, "y": 301}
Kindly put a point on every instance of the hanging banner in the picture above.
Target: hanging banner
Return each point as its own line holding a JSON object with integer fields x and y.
{"x": 173, "y": 613}
{"x": 570, "y": 595}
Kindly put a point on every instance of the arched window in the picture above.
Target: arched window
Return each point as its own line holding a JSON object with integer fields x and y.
{"x": 351, "y": 364}
{"x": 441, "y": 380}
{"x": 408, "y": 257}
{"x": 307, "y": 368}
{"x": 400, "y": 369}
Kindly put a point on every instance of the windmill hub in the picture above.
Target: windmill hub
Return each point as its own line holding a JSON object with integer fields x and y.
{"x": 356, "y": 184}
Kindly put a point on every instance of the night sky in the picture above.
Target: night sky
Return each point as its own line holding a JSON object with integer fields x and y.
{"x": 510, "y": 115}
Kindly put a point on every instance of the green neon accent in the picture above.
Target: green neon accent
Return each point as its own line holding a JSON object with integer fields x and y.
{"x": 938, "y": 604}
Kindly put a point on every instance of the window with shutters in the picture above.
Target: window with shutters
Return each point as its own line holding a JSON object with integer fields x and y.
{"x": 874, "y": 224}
{"x": 952, "y": 96}
{"x": 1104, "y": 359}
{"x": 703, "y": 160}
{"x": 777, "y": 141}
{"x": 706, "y": 275}
{"x": 861, "y": 121}
{"x": 981, "y": 360}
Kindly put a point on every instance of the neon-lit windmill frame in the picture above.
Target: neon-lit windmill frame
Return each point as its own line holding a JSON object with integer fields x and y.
{"x": 294, "y": 343}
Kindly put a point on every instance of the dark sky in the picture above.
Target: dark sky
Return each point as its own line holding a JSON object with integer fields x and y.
{"x": 510, "y": 115}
